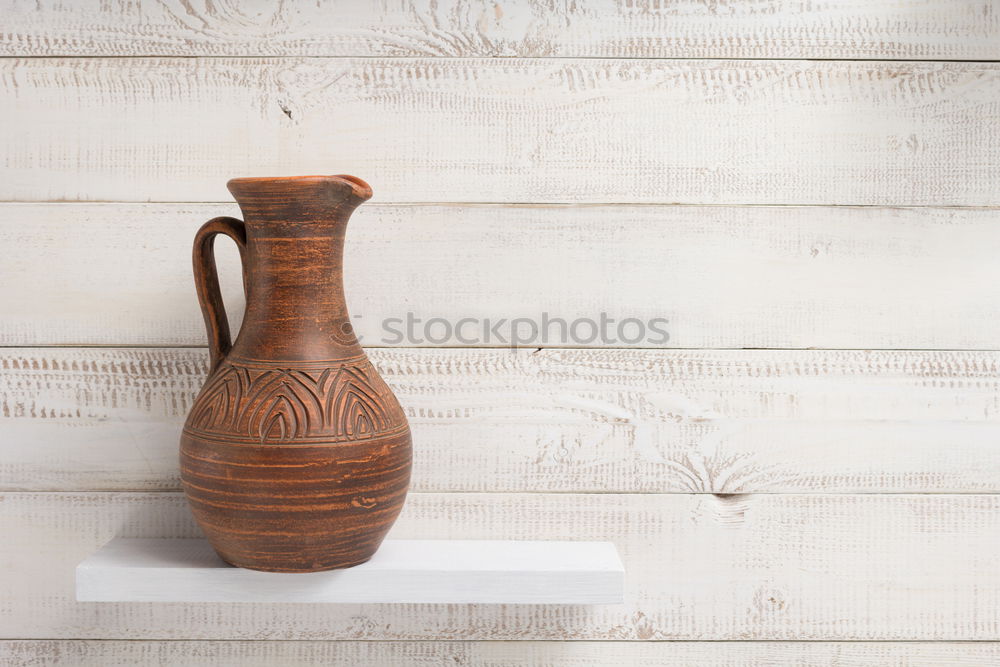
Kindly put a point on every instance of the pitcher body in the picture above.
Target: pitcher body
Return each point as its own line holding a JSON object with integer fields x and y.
{"x": 295, "y": 456}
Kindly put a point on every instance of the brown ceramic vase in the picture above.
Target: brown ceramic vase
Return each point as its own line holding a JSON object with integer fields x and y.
{"x": 295, "y": 456}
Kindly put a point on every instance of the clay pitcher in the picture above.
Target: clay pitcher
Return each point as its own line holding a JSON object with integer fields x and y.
{"x": 295, "y": 456}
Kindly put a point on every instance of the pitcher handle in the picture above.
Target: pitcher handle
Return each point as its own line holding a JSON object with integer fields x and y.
{"x": 206, "y": 282}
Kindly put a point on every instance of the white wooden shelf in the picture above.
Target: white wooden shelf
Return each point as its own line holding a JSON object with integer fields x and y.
{"x": 402, "y": 571}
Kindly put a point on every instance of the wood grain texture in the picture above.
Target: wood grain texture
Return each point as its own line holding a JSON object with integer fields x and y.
{"x": 787, "y": 277}
{"x": 425, "y": 130}
{"x": 110, "y": 653}
{"x": 882, "y": 29}
{"x": 875, "y": 567}
{"x": 557, "y": 420}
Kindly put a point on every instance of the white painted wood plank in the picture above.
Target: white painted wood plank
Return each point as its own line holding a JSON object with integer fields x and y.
{"x": 493, "y": 130}
{"x": 401, "y": 571}
{"x": 875, "y": 567}
{"x": 930, "y": 29}
{"x": 785, "y": 277}
{"x": 727, "y": 421}
{"x": 109, "y": 653}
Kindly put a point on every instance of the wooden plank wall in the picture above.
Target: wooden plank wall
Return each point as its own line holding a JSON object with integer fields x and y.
{"x": 804, "y": 472}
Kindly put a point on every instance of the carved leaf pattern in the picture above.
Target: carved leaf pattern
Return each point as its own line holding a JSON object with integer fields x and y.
{"x": 345, "y": 402}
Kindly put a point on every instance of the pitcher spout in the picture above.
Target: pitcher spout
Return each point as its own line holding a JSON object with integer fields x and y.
{"x": 307, "y": 195}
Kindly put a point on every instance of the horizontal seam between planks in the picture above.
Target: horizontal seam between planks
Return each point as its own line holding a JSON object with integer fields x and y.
{"x": 495, "y": 58}
{"x": 534, "y": 348}
{"x": 174, "y": 491}
{"x": 511, "y": 641}
{"x": 514, "y": 204}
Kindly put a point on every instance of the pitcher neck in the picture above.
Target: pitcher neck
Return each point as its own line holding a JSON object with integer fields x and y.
{"x": 296, "y": 227}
